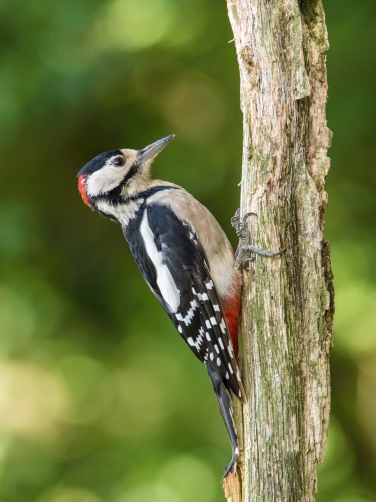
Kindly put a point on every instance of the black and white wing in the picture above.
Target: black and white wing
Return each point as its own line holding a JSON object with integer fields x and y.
{"x": 174, "y": 265}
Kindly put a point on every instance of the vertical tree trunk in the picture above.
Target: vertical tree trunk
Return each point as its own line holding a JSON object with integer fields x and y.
{"x": 287, "y": 302}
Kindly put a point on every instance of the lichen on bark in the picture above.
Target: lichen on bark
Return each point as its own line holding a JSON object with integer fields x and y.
{"x": 288, "y": 303}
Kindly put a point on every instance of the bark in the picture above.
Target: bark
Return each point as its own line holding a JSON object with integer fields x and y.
{"x": 288, "y": 304}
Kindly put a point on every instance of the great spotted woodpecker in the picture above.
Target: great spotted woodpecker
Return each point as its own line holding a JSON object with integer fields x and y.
{"x": 184, "y": 256}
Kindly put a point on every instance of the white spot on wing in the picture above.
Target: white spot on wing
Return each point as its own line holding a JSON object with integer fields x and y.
{"x": 180, "y": 329}
{"x": 165, "y": 281}
{"x": 216, "y": 308}
{"x": 211, "y": 356}
{"x": 221, "y": 343}
{"x": 213, "y": 321}
{"x": 218, "y": 361}
{"x": 208, "y": 325}
{"x": 208, "y": 337}
{"x": 204, "y": 297}
{"x": 188, "y": 317}
{"x": 223, "y": 326}
{"x": 216, "y": 348}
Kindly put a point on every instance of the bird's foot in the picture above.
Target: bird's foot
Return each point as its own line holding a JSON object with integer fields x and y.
{"x": 240, "y": 224}
{"x": 246, "y": 250}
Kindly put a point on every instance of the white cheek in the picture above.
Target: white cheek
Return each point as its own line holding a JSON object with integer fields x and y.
{"x": 104, "y": 180}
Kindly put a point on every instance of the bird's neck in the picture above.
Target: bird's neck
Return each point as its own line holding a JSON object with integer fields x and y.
{"x": 125, "y": 206}
{"x": 121, "y": 211}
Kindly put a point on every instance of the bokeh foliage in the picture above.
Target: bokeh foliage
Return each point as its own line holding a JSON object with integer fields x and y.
{"x": 99, "y": 398}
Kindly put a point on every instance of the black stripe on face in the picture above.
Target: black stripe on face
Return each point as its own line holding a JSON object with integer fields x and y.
{"x": 114, "y": 196}
{"x": 132, "y": 171}
{"x": 98, "y": 162}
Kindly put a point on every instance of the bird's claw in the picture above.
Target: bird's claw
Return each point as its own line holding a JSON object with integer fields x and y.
{"x": 246, "y": 250}
{"x": 240, "y": 225}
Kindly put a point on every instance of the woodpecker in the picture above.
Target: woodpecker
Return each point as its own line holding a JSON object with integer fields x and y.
{"x": 184, "y": 256}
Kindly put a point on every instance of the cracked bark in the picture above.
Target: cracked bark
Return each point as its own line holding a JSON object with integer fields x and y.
{"x": 287, "y": 319}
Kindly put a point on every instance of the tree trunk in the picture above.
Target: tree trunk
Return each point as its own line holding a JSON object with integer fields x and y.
{"x": 287, "y": 319}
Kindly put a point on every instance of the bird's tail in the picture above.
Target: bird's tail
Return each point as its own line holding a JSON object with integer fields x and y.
{"x": 224, "y": 401}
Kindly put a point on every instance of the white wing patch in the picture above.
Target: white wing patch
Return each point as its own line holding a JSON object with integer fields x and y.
{"x": 166, "y": 283}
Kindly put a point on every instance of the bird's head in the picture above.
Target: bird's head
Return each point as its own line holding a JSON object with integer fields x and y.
{"x": 115, "y": 175}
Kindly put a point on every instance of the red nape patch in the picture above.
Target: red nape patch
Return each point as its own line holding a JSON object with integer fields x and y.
{"x": 82, "y": 188}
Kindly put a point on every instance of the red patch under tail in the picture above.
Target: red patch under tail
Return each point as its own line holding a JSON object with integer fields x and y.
{"x": 231, "y": 309}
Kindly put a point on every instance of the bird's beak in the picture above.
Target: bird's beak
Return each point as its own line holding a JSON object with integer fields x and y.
{"x": 151, "y": 151}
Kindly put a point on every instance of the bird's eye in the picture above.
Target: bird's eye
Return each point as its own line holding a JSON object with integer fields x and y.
{"x": 118, "y": 161}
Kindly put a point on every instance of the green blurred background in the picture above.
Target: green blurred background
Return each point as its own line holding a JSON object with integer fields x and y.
{"x": 100, "y": 400}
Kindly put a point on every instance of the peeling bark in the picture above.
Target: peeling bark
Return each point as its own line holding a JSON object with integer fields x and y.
{"x": 288, "y": 305}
